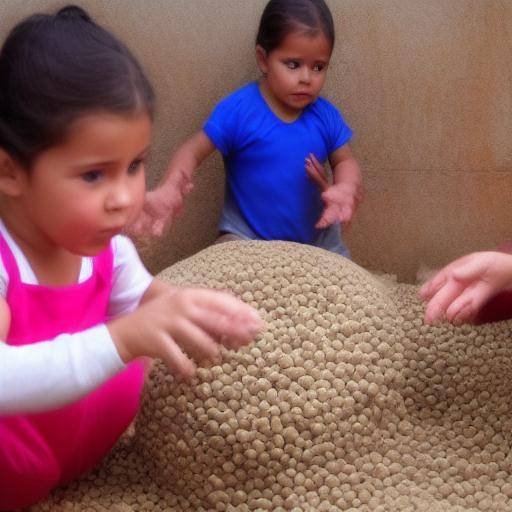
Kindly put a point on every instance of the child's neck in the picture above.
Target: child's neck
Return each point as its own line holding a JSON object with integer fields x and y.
{"x": 52, "y": 265}
{"x": 287, "y": 115}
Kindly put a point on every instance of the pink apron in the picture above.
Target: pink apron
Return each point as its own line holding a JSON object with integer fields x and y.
{"x": 41, "y": 451}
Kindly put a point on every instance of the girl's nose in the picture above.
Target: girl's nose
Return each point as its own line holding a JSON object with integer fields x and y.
{"x": 305, "y": 76}
{"x": 120, "y": 197}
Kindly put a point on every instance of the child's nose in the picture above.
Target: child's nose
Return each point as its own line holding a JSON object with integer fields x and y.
{"x": 120, "y": 197}
{"x": 305, "y": 76}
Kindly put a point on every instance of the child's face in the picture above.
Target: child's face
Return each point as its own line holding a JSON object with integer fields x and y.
{"x": 83, "y": 191}
{"x": 295, "y": 71}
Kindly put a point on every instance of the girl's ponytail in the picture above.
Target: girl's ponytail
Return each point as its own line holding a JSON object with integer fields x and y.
{"x": 73, "y": 12}
{"x": 56, "y": 68}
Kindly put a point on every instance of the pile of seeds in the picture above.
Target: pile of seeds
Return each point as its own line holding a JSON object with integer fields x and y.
{"x": 346, "y": 401}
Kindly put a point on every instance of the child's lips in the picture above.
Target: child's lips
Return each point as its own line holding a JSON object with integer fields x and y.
{"x": 301, "y": 95}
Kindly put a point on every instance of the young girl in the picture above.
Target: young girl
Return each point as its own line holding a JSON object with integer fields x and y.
{"x": 275, "y": 136}
{"x": 76, "y": 303}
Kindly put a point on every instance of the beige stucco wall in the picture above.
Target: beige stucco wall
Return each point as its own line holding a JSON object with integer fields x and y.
{"x": 426, "y": 85}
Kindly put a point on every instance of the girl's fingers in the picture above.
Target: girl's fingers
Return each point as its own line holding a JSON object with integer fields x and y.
{"x": 460, "y": 312}
{"x": 318, "y": 166}
{"x": 323, "y": 222}
{"x": 220, "y": 314}
{"x": 313, "y": 175}
{"x": 158, "y": 227}
{"x": 233, "y": 331}
{"x": 196, "y": 343}
{"x": 316, "y": 172}
{"x": 227, "y": 304}
{"x": 178, "y": 363}
{"x": 440, "y": 302}
{"x": 472, "y": 300}
{"x": 346, "y": 214}
{"x": 470, "y": 270}
{"x": 433, "y": 285}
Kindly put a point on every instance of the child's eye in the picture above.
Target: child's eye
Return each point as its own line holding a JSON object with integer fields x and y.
{"x": 135, "y": 166}
{"x": 292, "y": 64}
{"x": 319, "y": 67}
{"x": 91, "y": 176}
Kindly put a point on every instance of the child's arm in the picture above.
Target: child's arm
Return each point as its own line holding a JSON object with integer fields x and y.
{"x": 342, "y": 197}
{"x": 171, "y": 324}
{"x": 184, "y": 326}
{"x": 50, "y": 374}
{"x": 460, "y": 289}
{"x": 164, "y": 202}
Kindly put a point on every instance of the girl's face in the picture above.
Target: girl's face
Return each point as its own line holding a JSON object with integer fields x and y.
{"x": 83, "y": 191}
{"x": 295, "y": 71}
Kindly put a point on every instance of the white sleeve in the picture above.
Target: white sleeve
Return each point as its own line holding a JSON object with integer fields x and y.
{"x": 50, "y": 374}
{"x": 130, "y": 279}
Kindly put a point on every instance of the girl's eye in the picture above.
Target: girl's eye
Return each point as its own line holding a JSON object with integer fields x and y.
{"x": 135, "y": 166}
{"x": 91, "y": 176}
{"x": 319, "y": 67}
{"x": 292, "y": 64}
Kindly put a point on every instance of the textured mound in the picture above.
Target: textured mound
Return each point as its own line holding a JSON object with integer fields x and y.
{"x": 346, "y": 401}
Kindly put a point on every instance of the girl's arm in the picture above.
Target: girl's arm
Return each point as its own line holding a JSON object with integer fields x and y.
{"x": 345, "y": 168}
{"x": 174, "y": 324}
{"x": 342, "y": 197}
{"x": 163, "y": 203}
{"x": 51, "y": 374}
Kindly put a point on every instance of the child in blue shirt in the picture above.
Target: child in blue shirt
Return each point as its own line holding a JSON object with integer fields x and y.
{"x": 275, "y": 136}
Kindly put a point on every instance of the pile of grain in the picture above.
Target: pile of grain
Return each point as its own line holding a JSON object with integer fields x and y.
{"x": 346, "y": 401}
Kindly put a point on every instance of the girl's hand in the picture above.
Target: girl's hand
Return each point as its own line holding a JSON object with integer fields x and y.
{"x": 341, "y": 199}
{"x": 162, "y": 205}
{"x": 460, "y": 289}
{"x": 185, "y": 326}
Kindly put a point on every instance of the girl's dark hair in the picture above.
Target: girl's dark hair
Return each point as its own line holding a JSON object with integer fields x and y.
{"x": 281, "y": 17}
{"x": 56, "y": 68}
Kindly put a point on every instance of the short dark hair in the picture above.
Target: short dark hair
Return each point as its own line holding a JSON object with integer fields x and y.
{"x": 56, "y": 68}
{"x": 281, "y": 17}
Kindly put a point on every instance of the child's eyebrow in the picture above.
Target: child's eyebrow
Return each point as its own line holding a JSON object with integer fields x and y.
{"x": 98, "y": 163}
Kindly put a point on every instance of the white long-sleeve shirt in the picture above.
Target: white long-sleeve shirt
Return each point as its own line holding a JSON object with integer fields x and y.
{"x": 49, "y": 374}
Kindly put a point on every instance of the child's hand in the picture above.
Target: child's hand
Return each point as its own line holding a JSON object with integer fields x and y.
{"x": 184, "y": 326}
{"x": 162, "y": 205}
{"x": 459, "y": 290}
{"x": 341, "y": 199}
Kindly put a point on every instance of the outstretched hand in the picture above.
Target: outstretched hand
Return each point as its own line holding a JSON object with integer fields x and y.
{"x": 340, "y": 199}
{"x": 162, "y": 205}
{"x": 460, "y": 289}
{"x": 185, "y": 327}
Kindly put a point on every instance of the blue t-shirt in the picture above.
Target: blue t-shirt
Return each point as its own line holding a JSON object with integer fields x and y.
{"x": 265, "y": 161}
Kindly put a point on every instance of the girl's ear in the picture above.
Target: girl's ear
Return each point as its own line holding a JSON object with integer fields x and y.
{"x": 12, "y": 176}
{"x": 261, "y": 58}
